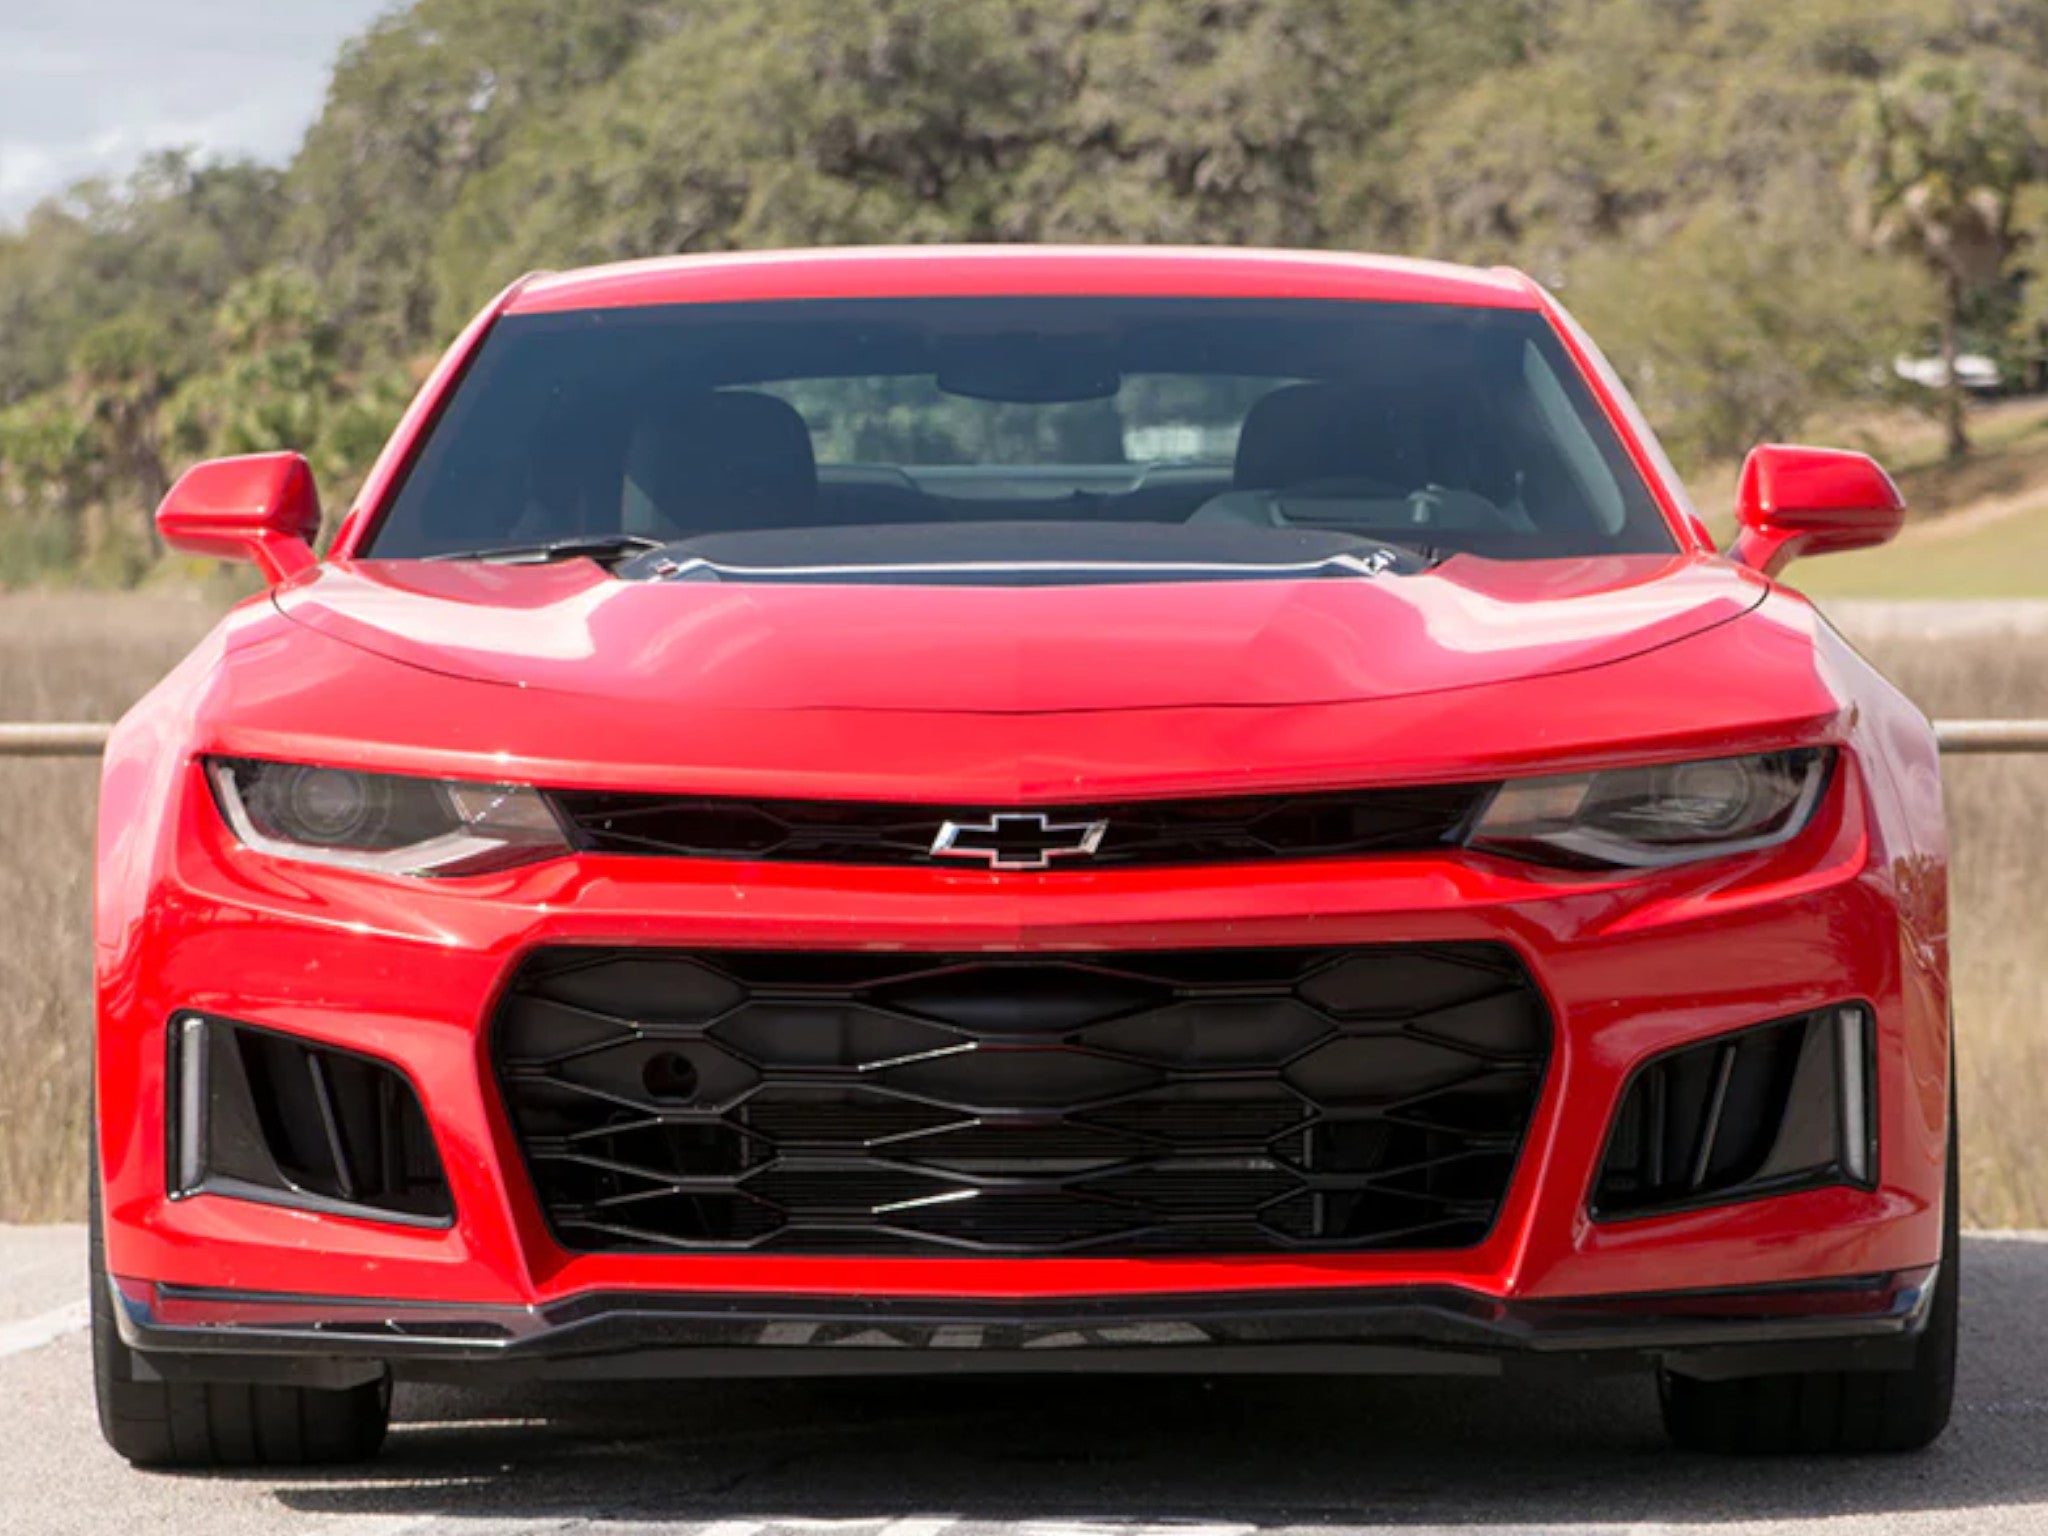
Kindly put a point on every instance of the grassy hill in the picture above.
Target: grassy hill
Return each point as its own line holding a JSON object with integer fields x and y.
{"x": 2005, "y": 555}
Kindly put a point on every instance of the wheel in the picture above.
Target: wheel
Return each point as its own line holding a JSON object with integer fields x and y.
{"x": 219, "y": 1424}
{"x": 1840, "y": 1412}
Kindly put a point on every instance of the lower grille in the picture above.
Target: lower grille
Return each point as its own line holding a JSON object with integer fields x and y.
{"x": 1213, "y": 1101}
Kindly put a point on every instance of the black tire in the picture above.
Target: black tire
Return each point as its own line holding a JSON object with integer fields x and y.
{"x": 1835, "y": 1412}
{"x": 219, "y": 1424}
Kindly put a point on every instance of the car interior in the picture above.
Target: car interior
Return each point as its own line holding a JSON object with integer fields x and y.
{"x": 1441, "y": 430}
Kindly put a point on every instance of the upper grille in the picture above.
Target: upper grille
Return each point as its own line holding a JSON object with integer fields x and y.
{"x": 1217, "y": 1101}
{"x": 1220, "y": 831}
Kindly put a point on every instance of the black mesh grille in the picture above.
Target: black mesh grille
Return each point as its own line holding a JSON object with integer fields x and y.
{"x": 1217, "y": 1101}
{"x": 1235, "y": 830}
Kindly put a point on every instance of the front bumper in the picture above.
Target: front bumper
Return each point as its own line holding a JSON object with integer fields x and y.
{"x": 1628, "y": 967}
{"x": 1867, "y": 1323}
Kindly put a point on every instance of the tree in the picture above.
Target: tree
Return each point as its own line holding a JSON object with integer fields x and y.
{"x": 1684, "y": 171}
{"x": 121, "y": 375}
{"x": 421, "y": 103}
{"x": 160, "y": 248}
{"x": 1729, "y": 328}
{"x": 47, "y": 466}
{"x": 282, "y": 380}
{"x": 1941, "y": 165}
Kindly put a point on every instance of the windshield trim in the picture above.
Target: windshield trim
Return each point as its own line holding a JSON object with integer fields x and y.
{"x": 1375, "y": 564}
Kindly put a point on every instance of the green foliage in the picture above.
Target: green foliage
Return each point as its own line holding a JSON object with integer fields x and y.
{"x": 48, "y": 450}
{"x": 1754, "y": 204}
{"x": 280, "y": 380}
{"x": 420, "y": 104}
{"x": 163, "y": 248}
{"x": 1943, "y": 164}
{"x": 275, "y": 374}
{"x": 807, "y": 122}
{"x": 50, "y": 469}
{"x": 1732, "y": 327}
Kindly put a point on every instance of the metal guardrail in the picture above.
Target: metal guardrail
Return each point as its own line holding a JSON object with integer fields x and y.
{"x": 53, "y": 740}
{"x": 1980, "y": 736}
{"x": 1970, "y": 737}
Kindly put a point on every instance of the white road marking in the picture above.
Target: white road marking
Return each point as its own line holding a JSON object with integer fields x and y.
{"x": 29, "y": 1333}
{"x": 388, "y": 1525}
{"x": 918, "y": 1525}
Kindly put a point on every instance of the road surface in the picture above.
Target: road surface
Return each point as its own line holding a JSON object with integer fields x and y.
{"x": 1031, "y": 1457}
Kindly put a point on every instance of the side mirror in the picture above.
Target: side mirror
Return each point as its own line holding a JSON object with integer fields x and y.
{"x": 260, "y": 507}
{"x": 1812, "y": 501}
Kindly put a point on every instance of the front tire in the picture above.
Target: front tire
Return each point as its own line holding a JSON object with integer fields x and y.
{"x": 219, "y": 1424}
{"x": 1836, "y": 1412}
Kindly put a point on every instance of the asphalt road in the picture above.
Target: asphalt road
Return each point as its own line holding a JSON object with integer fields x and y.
{"x": 1034, "y": 1457}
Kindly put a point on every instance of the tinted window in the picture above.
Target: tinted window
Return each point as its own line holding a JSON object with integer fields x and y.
{"x": 1045, "y": 427}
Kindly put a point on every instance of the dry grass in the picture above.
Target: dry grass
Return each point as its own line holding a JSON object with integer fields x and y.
{"x": 86, "y": 657}
{"x": 1998, "y": 828}
{"x": 61, "y": 658}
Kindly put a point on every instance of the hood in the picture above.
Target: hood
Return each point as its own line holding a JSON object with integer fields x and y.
{"x": 1017, "y": 650}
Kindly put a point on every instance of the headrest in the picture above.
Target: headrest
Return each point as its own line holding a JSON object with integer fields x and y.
{"x": 1325, "y": 431}
{"x": 725, "y": 459}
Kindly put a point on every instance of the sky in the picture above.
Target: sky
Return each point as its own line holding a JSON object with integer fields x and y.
{"x": 87, "y": 87}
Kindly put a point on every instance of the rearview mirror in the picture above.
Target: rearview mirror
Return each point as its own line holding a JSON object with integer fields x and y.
{"x": 1023, "y": 369}
{"x": 1812, "y": 501}
{"x": 261, "y": 507}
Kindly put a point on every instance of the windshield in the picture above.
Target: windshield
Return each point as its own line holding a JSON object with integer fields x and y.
{"x": 1048, "y": 437}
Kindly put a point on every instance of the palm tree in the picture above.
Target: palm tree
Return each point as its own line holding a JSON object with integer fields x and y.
{"x": 121, "y": 374}
{"x": 1940, "y": 168}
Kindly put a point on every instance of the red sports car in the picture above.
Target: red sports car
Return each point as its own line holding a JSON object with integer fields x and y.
{"x": 996, "y": 810}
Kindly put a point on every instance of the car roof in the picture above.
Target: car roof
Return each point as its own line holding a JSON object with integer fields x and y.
{"x": 933, "y": 271}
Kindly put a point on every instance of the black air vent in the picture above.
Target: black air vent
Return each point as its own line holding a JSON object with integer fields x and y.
{"x": 1785, "y": 1106}
{"x": 269, "y": 1116}
{"x": 1221, "y": 1101}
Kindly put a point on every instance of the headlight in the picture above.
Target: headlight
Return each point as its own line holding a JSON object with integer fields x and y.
{"x": 381, "y": 822}
{"x": 1643, "y": 817}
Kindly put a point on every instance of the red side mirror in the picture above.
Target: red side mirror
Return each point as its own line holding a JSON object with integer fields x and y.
{"x": 262, "y": 507}
{"x": 1812, "y": 501}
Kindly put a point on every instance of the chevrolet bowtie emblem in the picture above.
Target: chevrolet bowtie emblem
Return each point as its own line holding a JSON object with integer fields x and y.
{"x": 1023, "y": 840}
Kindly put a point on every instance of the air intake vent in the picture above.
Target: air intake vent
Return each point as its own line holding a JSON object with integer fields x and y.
{"x": 1773, "y": 1109}
{"x": 270, "y": 1117}
{"x": 1210, "y": 1101}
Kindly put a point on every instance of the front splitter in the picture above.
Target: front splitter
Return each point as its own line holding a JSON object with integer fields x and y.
{"x": 1866, "y": 1323}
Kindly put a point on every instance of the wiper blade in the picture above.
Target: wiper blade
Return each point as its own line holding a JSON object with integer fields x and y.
{"x": 593, "y": 546}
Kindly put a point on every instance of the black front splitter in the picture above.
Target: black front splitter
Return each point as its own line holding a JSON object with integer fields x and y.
{"x": 184, "y": 1333}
